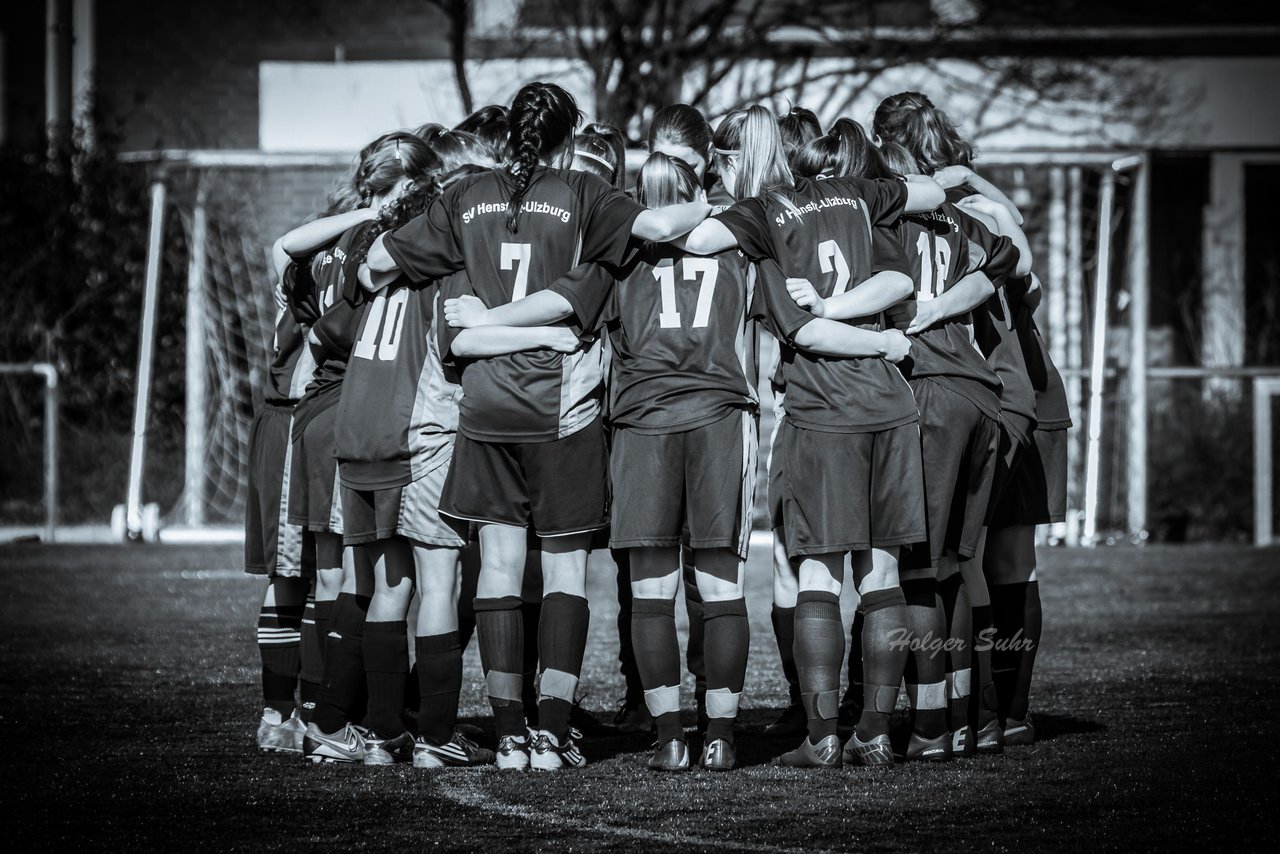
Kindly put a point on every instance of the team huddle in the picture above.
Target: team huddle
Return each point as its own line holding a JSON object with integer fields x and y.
{"x": 491, "y": 358}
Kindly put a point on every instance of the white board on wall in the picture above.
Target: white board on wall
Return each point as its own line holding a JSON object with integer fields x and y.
{"x": 328, "y": 106}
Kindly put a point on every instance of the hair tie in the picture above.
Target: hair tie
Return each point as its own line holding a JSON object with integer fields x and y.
{"x": 399, "y": 156}
{"x": 578, "y": 152}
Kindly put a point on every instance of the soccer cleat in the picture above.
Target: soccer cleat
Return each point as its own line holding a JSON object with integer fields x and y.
{"x": 921, "y": 749}
{"x": 279, "y": 735}
{"x": 583, "y": 721}
{"x": 672, "y": 756}
{"x": 989, "y": 739}
{"x": 513, "y": 753}
{"x": 458, "y": 752}
{"x": 793, "y": 721}
{"x": 633, "y": 717}
{"x": 548, "y": 754}
{"x": 876, "y": 753}
{"x": 388, "y": 751}
{"x": 824, "y": 754}
{"x": 962, "y": 743}
{"x": 719, "y": 755}
{"x": 346, "y": 745}
{"x": 1019, "y": 732}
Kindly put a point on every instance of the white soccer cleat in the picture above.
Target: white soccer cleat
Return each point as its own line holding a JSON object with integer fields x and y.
{"x": 277, "y": 734}
{"x": 548, "y": 754}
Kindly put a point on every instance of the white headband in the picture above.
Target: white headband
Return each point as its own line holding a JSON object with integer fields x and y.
{"x": 578, "y": 152}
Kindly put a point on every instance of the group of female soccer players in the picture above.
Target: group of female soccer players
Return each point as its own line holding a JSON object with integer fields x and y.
{"x": 490, "y": 357}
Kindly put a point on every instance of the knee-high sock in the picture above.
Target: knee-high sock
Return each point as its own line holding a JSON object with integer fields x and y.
{"x": 784, "y": 631}
{"x": 279, "y": 642}
{"x": 955, "y": 604}
{"x": 695, "y": 653}
{"x": 819, "y": 650}
{"x": 1032, "y": 621}
{"x": 311, "y": 657}
{"x": 626, "y": 649}
{"x": 728, "y": 635}
{"x": 386, "y": 663}
{"x": 853, "y": 694}
{"x": 343, "y": 688}
{"x": 983, "y": 705}
{"x": 653, "y": 634}
{"x": 500, "y": 627}
{"x": 439, "y": 684}
{"x": 531, "y": 614}
{"x": 562, "y": 640}
{"x": 926, "y": 668}
{"x": 884, "y": 658}
{"x": 1008, "y": 610}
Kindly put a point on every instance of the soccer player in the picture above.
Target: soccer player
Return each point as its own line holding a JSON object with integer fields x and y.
{"x": 679, "y": 130}
{"x": 530, "y": 450}
{"x": 798, "y": 127}
{"x": 953, "y": 259}
{"x": 683, "y": 404}
{"x": 1035, "y": 494}
{"x": 847, "y": 453}
{"x": 390, "y": 166}
{"x": 912, "y": 120}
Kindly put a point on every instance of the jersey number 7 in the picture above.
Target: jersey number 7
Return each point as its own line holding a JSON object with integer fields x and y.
{"x": 515, "y": 256}
{"x": 692, "y": 268}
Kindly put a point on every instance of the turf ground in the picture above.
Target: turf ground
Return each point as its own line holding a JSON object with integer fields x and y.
{"x": 130, "y": 682}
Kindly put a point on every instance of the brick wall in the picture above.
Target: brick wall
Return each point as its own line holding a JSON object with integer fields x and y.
{"x": 185, "y": 75}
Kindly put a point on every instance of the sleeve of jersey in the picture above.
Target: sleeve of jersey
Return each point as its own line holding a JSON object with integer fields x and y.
{"x": 747, "y": 223}
{"x": 783, "y": 317}
{"x": 991, "y": 253}
{"x": 300, "y": 292}
{"x": 886, "y": 199}
{"x": 587, "y": 287}
{"x": 426, "y": 247}
{"x": 887, "y": 252}
{"x": 450, "y": 288}
{"x": 609, "y": 215}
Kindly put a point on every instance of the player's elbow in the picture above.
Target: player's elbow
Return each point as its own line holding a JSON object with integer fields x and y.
{"x": 898, "y": 285}
{"x": 1023, "y": 267}
{"x": 465, "y": 345}
{"x": 379, "y": 259}
{"x": 658, "y": 226}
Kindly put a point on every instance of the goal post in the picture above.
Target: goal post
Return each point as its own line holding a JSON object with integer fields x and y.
{"x": 1265, "y": 390}
{"x": 50, "y": 375}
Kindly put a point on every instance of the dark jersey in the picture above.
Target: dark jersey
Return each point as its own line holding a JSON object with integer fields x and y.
{"x": 567, "y": 218}
{"x": 399, "y": 407}
{"x": 291, "y": 361}
{"x": 942, "y": 247}
{"x": 832, "y": 234}
{"x": 1052, "y": 410}
{"x": 335, "y": 291}
{"x": 683, "y": 353}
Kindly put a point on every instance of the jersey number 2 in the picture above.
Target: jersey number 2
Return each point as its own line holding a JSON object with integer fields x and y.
{"x": 665, "y": 273}
{"x": 382, "y": 323}
{"x": 935, "y": 260}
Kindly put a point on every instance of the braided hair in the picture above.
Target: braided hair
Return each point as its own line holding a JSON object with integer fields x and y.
{"x": 543, "y": 118}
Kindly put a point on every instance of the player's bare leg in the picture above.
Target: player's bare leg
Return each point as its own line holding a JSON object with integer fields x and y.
{"x": 727, "y": 635}
{"x": 786, "y": 587}
{"x": 500, "y": 627}
{"x": 655, "y": 580}
{"x": 562, "y": 640}
{"x": 439, "y": 662}
{"x": 884, "y": 653}
{"x": 819, "y": 651}
{"x": 1010, "y": 566}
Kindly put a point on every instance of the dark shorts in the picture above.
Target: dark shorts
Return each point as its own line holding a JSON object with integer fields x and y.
{"x": 272, "y": 546}
{"x": 1008, "y": 457}
{"x": 959, "y": 446}
{"x": 1036, "y": 490}
{"x": 411, "y": 511}
{"x": 315, "y": 499}
{"x": 558, "y": 488}
{"x": 700, "y": 481}
{"x": 841, "y": 492}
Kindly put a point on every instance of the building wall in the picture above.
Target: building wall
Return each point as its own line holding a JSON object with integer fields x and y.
{"x": 185, "y": 75}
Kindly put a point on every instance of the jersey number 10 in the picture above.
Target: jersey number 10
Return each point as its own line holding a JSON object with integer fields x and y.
{"x": 691, "y": 269}
{"x": 383, "y": 320}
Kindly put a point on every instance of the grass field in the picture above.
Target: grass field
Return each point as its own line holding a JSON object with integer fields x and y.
{"x": 130, "y": 686}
